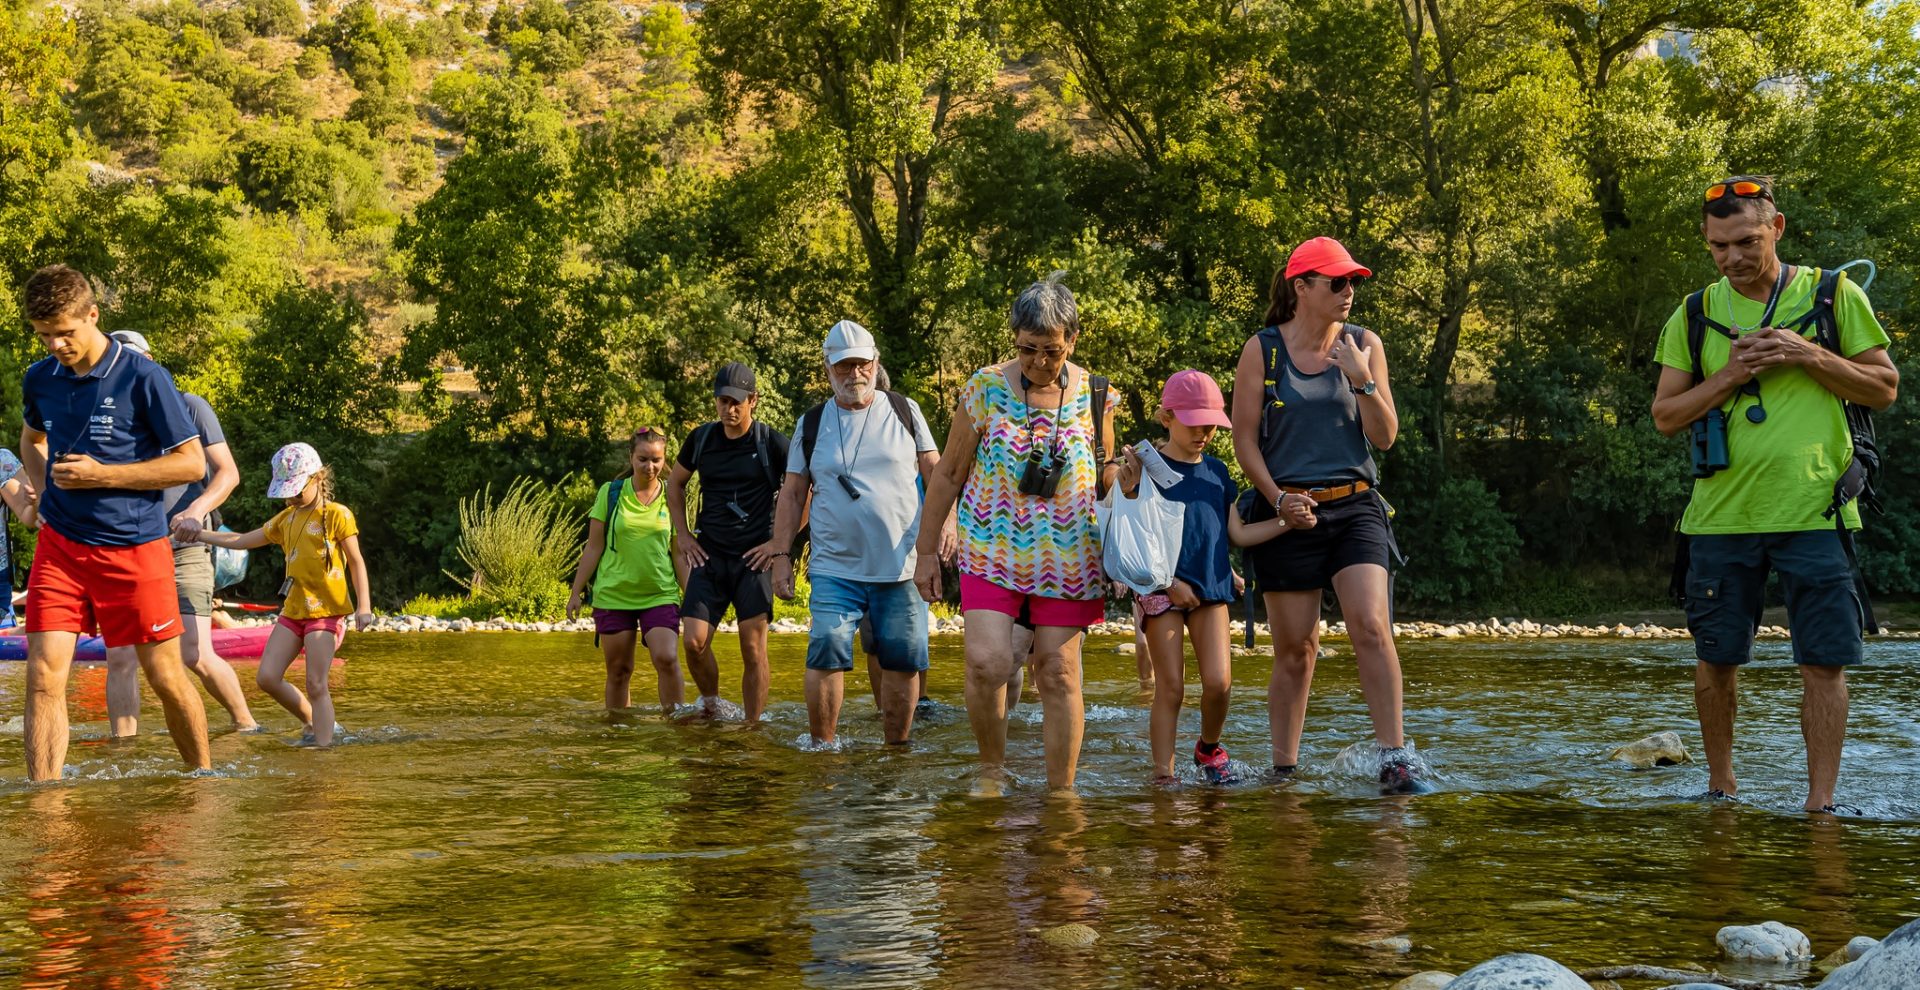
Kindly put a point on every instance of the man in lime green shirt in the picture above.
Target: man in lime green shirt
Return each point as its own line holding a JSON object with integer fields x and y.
{"x": 1787, "y": 443}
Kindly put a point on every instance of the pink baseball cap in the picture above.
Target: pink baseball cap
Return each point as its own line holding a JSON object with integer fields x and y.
{"x": 1194, "y": 398}
{"x": 1324, "y": 256}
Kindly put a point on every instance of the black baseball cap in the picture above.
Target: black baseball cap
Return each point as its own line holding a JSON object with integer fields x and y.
{"x": 735, "y": 381}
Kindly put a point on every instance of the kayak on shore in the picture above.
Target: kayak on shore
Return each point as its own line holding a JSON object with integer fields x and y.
{"x": 243, "y": 643}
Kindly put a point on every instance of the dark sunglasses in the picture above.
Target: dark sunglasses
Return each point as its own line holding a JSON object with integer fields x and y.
{"x": 1050, "y": 353}
{"x": 1337, "y": 283}
{"x": 1743, "y": 188}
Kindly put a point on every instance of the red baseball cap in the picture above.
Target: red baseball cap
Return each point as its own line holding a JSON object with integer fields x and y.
{"x": 1325, "y": 256}
{"x": 1194, "y": 399}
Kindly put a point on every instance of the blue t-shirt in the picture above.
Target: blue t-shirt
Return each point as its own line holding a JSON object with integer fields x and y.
{"x": 1208, "y": 491}
{"x": 123, "y": 411}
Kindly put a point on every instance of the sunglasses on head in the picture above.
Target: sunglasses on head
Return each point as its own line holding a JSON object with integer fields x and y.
{"x": 1337, "y": 283}
{"x": 649, "y": 431}
{"x": 1742, "y": 188}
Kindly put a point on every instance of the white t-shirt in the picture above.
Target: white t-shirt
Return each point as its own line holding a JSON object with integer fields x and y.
{"x": 869, "y": 538}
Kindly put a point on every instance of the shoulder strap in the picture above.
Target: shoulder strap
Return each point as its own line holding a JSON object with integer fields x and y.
{"x": 1099, "y": 385}
{"x": 702, "y": 439}
{"x": 1697, "y": 331}
{"x": 761, "y": 442}
{"x": 1823, "y": 315}
{"x": 613, "y": 511}
{"x": 810, "y": 433}
{"x": 900, "y": 409}
{"x": 1269, "y": 338}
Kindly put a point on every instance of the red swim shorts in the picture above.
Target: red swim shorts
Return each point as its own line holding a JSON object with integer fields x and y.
{"x": 127, "y": 592}
{"x": 1033, "y": 611}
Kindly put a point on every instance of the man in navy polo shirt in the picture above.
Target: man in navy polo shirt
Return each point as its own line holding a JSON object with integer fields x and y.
{"x": 105, "y": 433}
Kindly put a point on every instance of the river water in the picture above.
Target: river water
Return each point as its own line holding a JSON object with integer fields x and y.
{"x": 487, "y": 826}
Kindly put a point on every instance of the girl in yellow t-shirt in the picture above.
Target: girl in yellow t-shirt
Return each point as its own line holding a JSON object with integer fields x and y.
{"x": 322, "y": 546}
{"x": 633, "y": 573}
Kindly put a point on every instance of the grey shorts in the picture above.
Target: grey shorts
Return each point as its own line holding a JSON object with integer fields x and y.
{"x": 1726, "y": 591}
{"x": 193, "y": 576}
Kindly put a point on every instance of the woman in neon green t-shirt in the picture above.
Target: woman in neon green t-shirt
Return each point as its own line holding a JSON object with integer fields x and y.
{"x": 629, "y": 562}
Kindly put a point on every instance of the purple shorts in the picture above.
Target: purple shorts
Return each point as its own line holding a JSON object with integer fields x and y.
{"x": 607, "y": 621}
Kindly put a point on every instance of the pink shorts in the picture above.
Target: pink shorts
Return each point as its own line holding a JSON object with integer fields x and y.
{"x": 1029, "y": 610}
{"x": 335, "y": 624}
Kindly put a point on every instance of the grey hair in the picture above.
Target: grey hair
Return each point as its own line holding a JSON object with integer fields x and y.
{"x": 1048, "y": 307}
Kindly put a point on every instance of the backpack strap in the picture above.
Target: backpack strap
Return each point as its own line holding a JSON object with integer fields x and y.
{"x": 701, "y": 440}
{"x": 761, "y": 442}
{"x": 1269, "y": 338}
{"x": 1100, "y": 387}
{"x": 1697, "y": 331}
{"x": 613, "y": 511}
{"x": 810, "y": 434}
{"x": 902, "y": 409}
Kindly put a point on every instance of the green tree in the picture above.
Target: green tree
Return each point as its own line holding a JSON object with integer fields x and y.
{"x": 886, "y": 82}
{"x": 499, "y": 249}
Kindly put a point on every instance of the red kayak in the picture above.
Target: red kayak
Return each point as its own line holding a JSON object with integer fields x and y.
{"x": 244, "y": 643}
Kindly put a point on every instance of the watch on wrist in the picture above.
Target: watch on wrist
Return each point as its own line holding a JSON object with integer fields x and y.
{"x": 1367, "y": 389}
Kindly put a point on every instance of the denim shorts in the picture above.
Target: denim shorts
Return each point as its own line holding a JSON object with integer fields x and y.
{"x": 1726, "y": 591}
{"x": 898, "y": 615}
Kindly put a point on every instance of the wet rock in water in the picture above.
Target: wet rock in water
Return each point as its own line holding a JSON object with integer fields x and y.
{"x": 1126, "y": 649}
{"x": 1767, "y": 942}
{"x": 1662, "y": 749}
{"x": 1519, "y": 971}
{"x": 1858, "y": 946}
{"x": 1695, "y": 986}
{"x": 1325, "y": 652}
{"x": 1432, "y": 979}
{"x": 1894, "y": 964}
{"x": 1396, "y": 944}
{"x": 1068, "y": 936}
{"x": 15, "y": 726}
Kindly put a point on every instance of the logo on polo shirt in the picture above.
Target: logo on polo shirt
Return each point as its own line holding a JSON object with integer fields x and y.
{"x": 106, "y": 402}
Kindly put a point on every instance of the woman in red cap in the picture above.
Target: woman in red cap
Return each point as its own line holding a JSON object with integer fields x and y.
{"x": 1310, "y": 405}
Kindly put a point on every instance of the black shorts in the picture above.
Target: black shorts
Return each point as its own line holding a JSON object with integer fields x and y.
{"x": 1726, "y": 590}
{"x": 727, "y": 581}
{"x": 1349, "y": 531}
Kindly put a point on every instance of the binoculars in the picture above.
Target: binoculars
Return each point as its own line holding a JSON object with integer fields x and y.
{"x": 1041, "y": 476}
{"x": 1709, "y": 443}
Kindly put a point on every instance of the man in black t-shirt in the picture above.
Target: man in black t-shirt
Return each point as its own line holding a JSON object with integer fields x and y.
{"x": 728, "y": 553}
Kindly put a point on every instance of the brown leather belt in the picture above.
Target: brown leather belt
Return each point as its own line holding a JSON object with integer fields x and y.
{"x": 1332, "y": 493}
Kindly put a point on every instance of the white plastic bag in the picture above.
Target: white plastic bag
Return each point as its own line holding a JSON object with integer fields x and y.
{"x": 1140, "y": 537}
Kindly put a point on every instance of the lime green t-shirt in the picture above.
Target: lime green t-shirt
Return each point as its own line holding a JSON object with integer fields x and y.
{"x": 636, "y": 571}
{"x": 1780, "y": 473}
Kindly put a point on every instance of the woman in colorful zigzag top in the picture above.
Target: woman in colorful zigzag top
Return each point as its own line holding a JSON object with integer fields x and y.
{"x": 1023, "y": 463}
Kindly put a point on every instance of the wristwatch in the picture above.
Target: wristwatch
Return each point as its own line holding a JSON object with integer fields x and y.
{"x": 1367, "y": 389}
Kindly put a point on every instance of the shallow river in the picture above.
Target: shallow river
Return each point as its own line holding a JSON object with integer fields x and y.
{"x": 486, "y": 826}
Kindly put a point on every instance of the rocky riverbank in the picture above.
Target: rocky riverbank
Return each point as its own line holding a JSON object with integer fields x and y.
{"x": 1493, "y": 628}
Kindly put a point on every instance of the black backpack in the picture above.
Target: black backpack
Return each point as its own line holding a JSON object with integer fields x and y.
{"x": 1862, "y": 477}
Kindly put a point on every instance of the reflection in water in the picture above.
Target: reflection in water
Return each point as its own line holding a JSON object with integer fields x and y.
{"x": 98, "y": 899}
{"x": 488, "y": 826}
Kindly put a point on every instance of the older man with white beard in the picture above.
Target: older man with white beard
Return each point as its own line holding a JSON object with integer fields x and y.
{"x": 850, "y": 472}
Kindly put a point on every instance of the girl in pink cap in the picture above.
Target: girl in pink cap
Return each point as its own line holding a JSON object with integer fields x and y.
{"x": 1310, "y": 406}
{"x": 1191, "y": 409}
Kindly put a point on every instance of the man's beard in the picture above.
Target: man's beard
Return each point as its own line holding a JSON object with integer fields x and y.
{"x": 854, "y": 393}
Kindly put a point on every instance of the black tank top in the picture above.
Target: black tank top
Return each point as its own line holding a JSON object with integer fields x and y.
{"x": 1310, "y": 430}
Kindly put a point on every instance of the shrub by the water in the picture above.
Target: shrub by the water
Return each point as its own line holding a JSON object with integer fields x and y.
{"x": 437, "y": 606}
{"x": 516, "y": 550}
